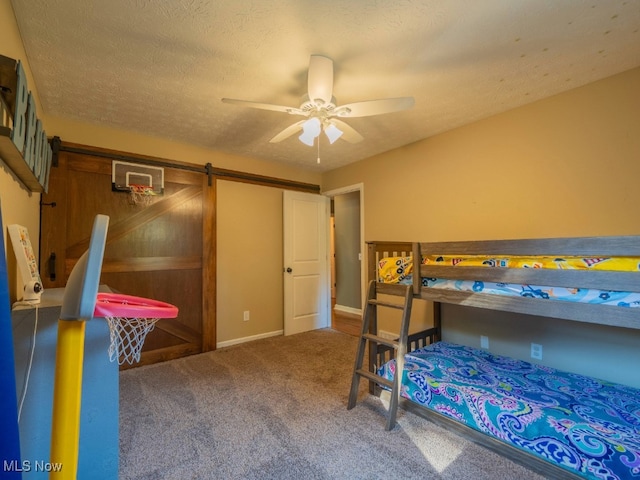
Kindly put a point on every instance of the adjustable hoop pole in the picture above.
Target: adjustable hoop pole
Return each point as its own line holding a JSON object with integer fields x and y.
{"x": 78, "y": 303}
{"x": 67, "y": 398}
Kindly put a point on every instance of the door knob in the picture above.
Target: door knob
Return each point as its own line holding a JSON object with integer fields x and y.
{"x": 289, "y": 270}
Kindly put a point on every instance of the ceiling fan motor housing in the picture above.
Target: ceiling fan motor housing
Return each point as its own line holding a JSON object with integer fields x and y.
{"x": 317, "y": 105}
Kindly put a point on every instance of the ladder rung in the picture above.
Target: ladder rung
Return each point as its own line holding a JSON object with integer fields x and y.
{"x": 374, "y": 377}
{"x": 389, "y": 342}
{"x": 400, "y": 306}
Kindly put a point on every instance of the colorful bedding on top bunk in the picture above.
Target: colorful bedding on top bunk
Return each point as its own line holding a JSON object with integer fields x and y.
{"x": 399, "y": 270}
{"x": 584, "y": 425}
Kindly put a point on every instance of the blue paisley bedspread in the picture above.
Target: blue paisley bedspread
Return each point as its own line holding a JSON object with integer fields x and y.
{"x": 584, "y": 425}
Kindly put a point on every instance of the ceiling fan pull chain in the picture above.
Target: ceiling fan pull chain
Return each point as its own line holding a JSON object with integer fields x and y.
{"x": 318, "y": 150}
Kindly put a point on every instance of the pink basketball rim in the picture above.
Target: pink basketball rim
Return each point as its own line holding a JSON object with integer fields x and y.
{"x": 128, "y": 306}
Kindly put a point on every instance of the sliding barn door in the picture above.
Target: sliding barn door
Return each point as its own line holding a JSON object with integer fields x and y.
{"x": 163, "y": 250}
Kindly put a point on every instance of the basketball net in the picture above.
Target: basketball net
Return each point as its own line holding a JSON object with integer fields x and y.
{"x": 141, "y": 194}
{"x": 127, "y": 337}
{"x": 130, "y": 319}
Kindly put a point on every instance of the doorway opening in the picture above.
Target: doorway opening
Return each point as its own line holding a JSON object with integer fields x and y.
{"x": 347, "y": 257}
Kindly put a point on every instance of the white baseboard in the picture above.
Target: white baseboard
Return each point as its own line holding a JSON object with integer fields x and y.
{"x": 350, "y": 310}
{"x": 237, "y": 341}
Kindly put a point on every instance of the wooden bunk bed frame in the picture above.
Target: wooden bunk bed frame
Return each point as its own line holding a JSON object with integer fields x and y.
{"x": 618, "y": 246}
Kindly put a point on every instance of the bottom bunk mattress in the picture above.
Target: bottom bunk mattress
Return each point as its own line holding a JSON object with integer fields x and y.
{"x": 584, "y": 425}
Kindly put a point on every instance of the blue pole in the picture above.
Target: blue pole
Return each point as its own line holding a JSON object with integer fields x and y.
{"x": 11, "y": 465}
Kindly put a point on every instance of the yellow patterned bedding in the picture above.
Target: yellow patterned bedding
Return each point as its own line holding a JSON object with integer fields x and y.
{"x": 399, "y": 270}
{"x": 394, "y": 269}
{"x": 617, "y": 264}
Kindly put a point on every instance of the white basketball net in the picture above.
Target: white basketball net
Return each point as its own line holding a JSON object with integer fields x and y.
{"x": 141, "y": 195}
{"x": 127, "y": 337}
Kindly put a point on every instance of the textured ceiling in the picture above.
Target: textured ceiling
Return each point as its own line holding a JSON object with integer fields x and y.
{"x": 160, "y": 67}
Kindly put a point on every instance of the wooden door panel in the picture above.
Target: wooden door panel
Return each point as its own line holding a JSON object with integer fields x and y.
{"x": 162, "y": 226}
{"x": 154, "y": 251}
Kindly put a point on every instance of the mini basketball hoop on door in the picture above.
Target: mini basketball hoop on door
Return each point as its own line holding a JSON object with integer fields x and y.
{"x": 130, "y": 319}
{"x": 141, "y": 182}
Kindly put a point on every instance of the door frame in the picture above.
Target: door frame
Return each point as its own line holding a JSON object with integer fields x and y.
{"x": 357, "y": 187}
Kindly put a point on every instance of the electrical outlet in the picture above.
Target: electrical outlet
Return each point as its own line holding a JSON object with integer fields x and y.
{"x": 484, "y": 341}
{"x": 246, "y": 316}
{"x": 536, "y": 351}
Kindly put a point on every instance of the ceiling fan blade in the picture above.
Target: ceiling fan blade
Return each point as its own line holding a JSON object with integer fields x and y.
{"x": 348, "y": 133}
{"x": 374, "y": 107}
{"x": 287, "y": 132}
{"x": 320, "y": 78}
{"x": 264, "y": 106}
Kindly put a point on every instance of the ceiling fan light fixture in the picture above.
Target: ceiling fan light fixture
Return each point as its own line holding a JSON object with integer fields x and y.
{"x": 332, "y": 132}
{"x": 310, "y": 130}
{"x": 321, "y": 111}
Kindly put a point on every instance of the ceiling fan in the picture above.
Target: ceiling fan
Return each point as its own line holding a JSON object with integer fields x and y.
{"x": 320, "y": 108}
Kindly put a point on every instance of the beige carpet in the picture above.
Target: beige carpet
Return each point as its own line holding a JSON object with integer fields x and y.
{"x": 276, "y": 409}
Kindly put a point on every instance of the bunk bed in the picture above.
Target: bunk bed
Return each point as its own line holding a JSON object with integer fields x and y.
{"x": 559, "y": 424}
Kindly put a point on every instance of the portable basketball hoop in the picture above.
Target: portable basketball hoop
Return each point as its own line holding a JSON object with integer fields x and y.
{"x": 130, "y": 320}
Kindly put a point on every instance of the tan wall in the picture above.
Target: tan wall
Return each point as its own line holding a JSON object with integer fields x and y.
{"x": 567, "y": 165}
{"x": 564, "y": 166}
{"x": 18, "y": 204}
{"x": 249, "y": 266}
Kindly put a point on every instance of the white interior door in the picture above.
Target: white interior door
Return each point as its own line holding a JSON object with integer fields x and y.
{"x": 306, "y": 264}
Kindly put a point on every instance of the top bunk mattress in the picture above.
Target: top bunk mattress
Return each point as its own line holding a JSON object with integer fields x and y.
{"x": 584, "y": 425}
{"x": 399, "y": 270}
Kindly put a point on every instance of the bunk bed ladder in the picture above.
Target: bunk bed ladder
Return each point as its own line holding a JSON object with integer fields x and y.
{"x": 369, "y": 334}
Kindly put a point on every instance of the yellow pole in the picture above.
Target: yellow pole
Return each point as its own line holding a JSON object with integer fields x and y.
{"x": 67, "y": 394}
